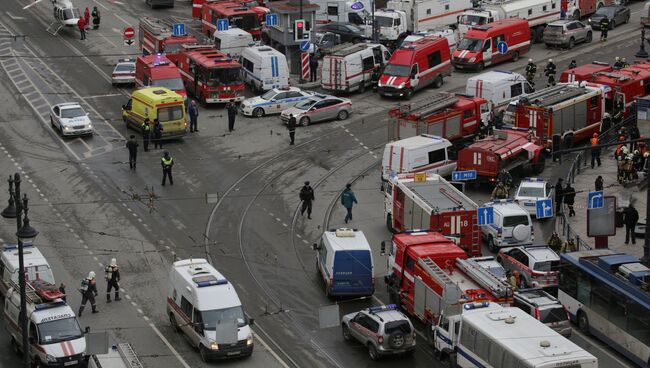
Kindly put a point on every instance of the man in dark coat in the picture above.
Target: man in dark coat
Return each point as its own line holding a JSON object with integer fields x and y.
{"x": 306, "y": 196}
{"x": 291, "y": 126}
{"x": 232, "y": 113}
{"x": 193, "y": 113}
{"x": 559, "y": 196}
{"x": 630, "y": 220}
{"x": 132, "y": 145}
{"x": 569, "y": 198}
{"x": 313, "y": 67}
{"x": 348, "y": 199}
{"x": 157, "y": 134}
{"x": 96, "y": 17}
{"x": 598, "y": 184}
{"x": 634, "y": 134}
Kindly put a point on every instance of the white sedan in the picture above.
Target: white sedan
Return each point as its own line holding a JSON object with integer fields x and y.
{"x": 273, "y": 101}
{"x": 124, "y": 72}
{"x": 70, "y": 119}
{"x": 530, "y": 191}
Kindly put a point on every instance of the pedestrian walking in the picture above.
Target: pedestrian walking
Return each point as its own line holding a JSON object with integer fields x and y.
{"x": 62, "y": 291}
{"x": 569, "y": 198}
{"x": 291, "y": 126}
{"x": 132, "y": 145}
{"x": 559, "y": 196}
{"x": 96, "y": 17}
{"x": 307, "y": 197}
{"x": 604, "y": 28}
{"x": 598, "y": 184}
{"x": 634, "y": 134}
{"x": 81, "y": 23}
{"x": 112, "y": 275}
{"x": 193, "y": 113}
{"x": 631, "y": 217}
{"x": 146, "y": 134}
{"x": 157, "y": 134}
{"x": 313, "y": 67}
{"x": 88, "y": 291}
{"x": 550, "y": 71}
{"x": 595, "y": 150}
{"x": 348, "y": 199}
{"x": 167, "y": 162}
{"x": 87, "y": 17}
{"x": 231, "y": 107}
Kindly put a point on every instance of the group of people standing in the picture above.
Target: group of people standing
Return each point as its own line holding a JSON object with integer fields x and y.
{"x": 84, "y": 22}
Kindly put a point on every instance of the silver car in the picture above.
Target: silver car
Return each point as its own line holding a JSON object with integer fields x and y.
{"x": 70, "y": 119}
{"x": 545, "y": 308}
{"x": 124, "y": 72}
{"x": 567, "y": 33}
{"x": 319, "y": 108}
{"x": 538, "y": 265}
{"x": 383, "y": 329}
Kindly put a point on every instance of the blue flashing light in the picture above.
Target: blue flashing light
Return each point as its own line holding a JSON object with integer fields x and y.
{"x": 55, "y": 304}
{"x": 357, "y": 6}
{"x": 382, "y": 308}
{"x": 534, "y": 179}
{"x": 7, "y": 247}
{"x": 477, "y": 305}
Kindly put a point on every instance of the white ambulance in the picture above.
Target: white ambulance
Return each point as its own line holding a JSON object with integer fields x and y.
{"x": 55, "y": 337}
{"x": 232, "y": 41}
{"x": 264, "y": 68}
{"x": 203, "y": 305}
{"x": 36, "y": 266}
{"x": 349, "y": 67}
{"x": 422, "y": 153}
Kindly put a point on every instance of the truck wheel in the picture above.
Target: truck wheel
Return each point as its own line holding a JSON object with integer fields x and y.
{"x": 409, "y": 94}
{"x": 438, "y": 82}
{"x": 204, "y": 353}
{"x": 515, "y": 56}
{"x": 612, "y": 25}
{"x": 492, "y": 245}
{"x": 481, "y": 66}
{"x": 590, "y": 37}
{"x": 362, "y": 87}
{"x": 258, "y": 112}
{"x": 202, "y": 99}
{"x": 342, "y": 115}
{"x": 538, "y": 168}
{"x": 572, "y": 43}
{"x": 576, "y": 14}
{"x": 372, "y": 352}
{"x": 449, "y": 360}
{"x": 172, "y": 322}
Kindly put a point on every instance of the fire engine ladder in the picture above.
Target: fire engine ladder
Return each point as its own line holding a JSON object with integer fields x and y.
{"x": 428, "y": 105}
{"x": 439, "y": 275}
{"x": 129, "y": 356}
{"x": 485, "y": 278}
{"x": 30, "y": 292}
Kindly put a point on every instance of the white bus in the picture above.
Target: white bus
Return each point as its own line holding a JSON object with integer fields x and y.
{"x": 485, "y": 334}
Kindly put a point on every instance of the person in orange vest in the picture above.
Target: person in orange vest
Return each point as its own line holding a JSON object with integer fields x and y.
{"x": 595, "y": 150}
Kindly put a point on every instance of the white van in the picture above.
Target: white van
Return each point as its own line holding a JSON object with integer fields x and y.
{"x": 449, "y": 34}
{"x": 512, "y": 226}
{"x": 56, "y": 339}
{"x": 422, "y": 153}
{"x": 349, "y": 67}
{"x": 36, "y": 266}
{"x": 232, "y": 41}
{"x": 202, "y": 304}
{"x": 264, "y": 68}
{"x": 344, "y": 260}
{"x": 499, "y": 87}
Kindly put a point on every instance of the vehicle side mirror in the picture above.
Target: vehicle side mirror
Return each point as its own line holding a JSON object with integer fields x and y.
{"x": 251, "y": 321}
{"x": 315, "y": 246}
{"x": 383, "y": 248}
{"x": 87, "y": 329}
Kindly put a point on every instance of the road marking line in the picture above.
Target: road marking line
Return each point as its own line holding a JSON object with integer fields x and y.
{"x": 278, "y": 219}
{"x": 140, "y": 311}
{"x": 178, "y": 356}
{"x": 100, "y": 4}
{"x": 305, "y": 241}
{"x": 146, "y": 318}
{"x": 105, "y": 95}
{"x": 122, "y": 19}
{"x": 284, "y": 224}
{"x": 127, "y": 297}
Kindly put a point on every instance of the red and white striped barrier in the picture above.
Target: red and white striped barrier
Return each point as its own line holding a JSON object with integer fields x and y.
{"x": 304, "y": 59}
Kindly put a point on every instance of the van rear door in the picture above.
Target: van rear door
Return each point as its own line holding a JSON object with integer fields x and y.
{"x": 353, "y": 273}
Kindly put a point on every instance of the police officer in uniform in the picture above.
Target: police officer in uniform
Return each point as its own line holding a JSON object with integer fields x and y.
{"x": 550, "y": 71}
{"x": 112, "y": 275}
{"x": 167, "y": 162}
{"x": 306, "y": 196}
{"x": 291, "y": 126}
{"x": 146, "y": 134}
{"x": 88, "y": 293}
{"x": 531, "y": 70}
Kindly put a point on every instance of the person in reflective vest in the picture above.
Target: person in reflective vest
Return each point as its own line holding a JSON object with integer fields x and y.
{"x": 595, "y": 150}
{"x": 167, "y": 162}
{"x": 146, "y": 134}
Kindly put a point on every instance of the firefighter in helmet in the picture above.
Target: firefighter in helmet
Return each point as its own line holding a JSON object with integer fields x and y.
{"x": 555, "y": 243}
{"x": 500, "y": 191}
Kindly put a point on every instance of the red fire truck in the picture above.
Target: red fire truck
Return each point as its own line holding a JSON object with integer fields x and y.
{"x": 158, "y": 71}
{"x": 261, "y": 11}
{"x": 431, "y": 202}
{"x": 451, "y": 116}
{"x": 584, "y": 72}
{"x": 428, "y": 271}
{"x": 505, "y": 149}
{"x": 237, "y": 14}
{"x": 209, "y": 75}
{"x": 156, "y": 37}
{"x": 581, "y": 8}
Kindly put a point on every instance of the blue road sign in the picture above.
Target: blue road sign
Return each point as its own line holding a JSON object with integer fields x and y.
{"x": 463, "y": 175}
{"x": 544, "y": 208}
{"x": 502, "y": 47}
{"x": 271, "y": 20}
{"x": 485, "y": 215}
{"x": 178, "y": 29}
{"x": 304, "y": 46}
{"x": 595, "y": 200}
{"x": 222, "y": 24}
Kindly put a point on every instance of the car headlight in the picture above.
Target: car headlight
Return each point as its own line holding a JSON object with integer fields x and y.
{"x": 90, "y": 126}
{"x": 214, "y": 346}
{"x": 471, "y": 60}
{"x": 589, "y": 20}
{"x": 402, "y": 85}
{"x": 249, "y": 340}
{"x": 67, "y": 128}
{"x": 50, "y": 358}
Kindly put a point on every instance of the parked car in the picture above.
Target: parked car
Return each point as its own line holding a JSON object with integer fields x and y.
{"x": 273, "y": 101}
{"x": 70, "y": 119}
{"x": 545, "y": 308}
{"x": 512, "y": 226}
{"x": 325, "y": 42}
{"x": 567, "y": 33}
{"x": 538, "y": 265}
{"x": 531, "y": 190}
{"x": 348, "y": 31}
{"x": 617, "y": 14}
{"x": 319, "y": 108}
{"x": 124, "y": 72}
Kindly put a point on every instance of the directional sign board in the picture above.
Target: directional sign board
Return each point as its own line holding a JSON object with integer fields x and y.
{"x": 502, "y": 47}
{"x": 595, "y": 200}
{"x": 304, "y": 46}
{"x": 463, "y": 175}
{"x": 128, "y": 33}
{"x": 178, "y": 29}
{"x": 485, "y": 215}
{"x": 223, "y": 24}
{"x": 129, "y": 42}
{"x": 271, "y": 20}
{"x": 544, "y": 208}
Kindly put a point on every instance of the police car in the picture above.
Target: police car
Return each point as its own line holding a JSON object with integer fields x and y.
{"x": 124, "y": 72}
{"x": 530, "y": 191}
{"x": 273, "y": 101}
{"x": 318, "y": 108}
{"x": 70, "y": 119}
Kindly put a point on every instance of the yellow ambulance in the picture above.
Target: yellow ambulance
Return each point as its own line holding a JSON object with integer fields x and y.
{"x": 156, "y": 103}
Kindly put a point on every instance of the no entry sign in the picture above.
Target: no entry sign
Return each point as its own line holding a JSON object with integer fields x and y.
{"x": 128, "y": 33}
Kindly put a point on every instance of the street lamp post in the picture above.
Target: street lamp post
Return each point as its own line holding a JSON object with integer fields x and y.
{"x": 642, "y": 53}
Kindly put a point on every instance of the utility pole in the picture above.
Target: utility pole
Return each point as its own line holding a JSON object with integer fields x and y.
{"x": 374, "y": 28}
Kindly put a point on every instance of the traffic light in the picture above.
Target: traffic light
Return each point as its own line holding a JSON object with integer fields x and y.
{"x": 299, "y": 30}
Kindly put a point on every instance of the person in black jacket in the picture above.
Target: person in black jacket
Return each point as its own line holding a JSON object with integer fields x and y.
{"x": 559, "y": 196}
{"x": 157, "y": 134}
{"x": 232, "y": 113}
{"x": 634, "y": 134}
{"x": 306, "y": 196}
{"x": 599, "y": 183}
{"x": 291, "y": 126}
{"x": 88, "y": 291}
{"x": 569, "y": 198}
{"x": 112, "y": 275}
{"x": 630, "y": 220}
{"x": 132, "y": 145}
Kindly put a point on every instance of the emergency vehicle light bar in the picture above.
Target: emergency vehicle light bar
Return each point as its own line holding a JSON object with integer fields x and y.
{"x": 382, "y": 308}
{"x": 477, "y": 305}
{"x": 124, "y": 60}
{"x": 7, "y": 247}
{"x": 533, "y": 179}
{"x": 208, "y": 280}
{"x": 509, "y": 200}
{"x": 44, "y": 306}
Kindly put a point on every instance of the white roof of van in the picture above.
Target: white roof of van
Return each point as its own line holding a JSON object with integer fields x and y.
{"x": 233, "y": 31}
{"x": 212, "y": 289}
{"x": 263, "y": 50}
{"x": 496, "y": 76}
{"x": 31, "y": 254}
{"x": 356, "y": 242}
{"x": 420, "y": 141}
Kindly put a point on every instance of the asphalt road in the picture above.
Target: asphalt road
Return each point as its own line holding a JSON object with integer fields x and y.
{"x": 89, "y": 207}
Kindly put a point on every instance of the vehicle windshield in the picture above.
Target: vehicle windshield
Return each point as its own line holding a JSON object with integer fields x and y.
{"x": 125, "y": 68}
{"x": 608, "y": 11}
{"x": 59, "y": 330}
{"x": 535, "y": 192}
{"x": 551, "y": 315}
{"x": 554, "y": 29}
{"x": 472, "y": 20}
{"x": 268, "y": 95}
{"x": 397, "y": 70}
{"x": 175, "y": 84}
{"x": 211, "y": 318}
{"x": 72, "y": 113}
{"x": 170, "y": 113}
{"x": 246, "y": 21}
{"x": 547, "y": 266}
{"x": 397, "y": 326}
{"x": 70, "y": 13}
{"x": 383, "y": 21}
{"x": 352, "y": 28}
{"x": 515, "y": 220}
{"x": 224, "y": 76}
{"x": 470, "y": 44}
{"x": 304, "y": 105}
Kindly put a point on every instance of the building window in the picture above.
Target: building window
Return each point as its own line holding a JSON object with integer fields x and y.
{"x": 428, "y": 11}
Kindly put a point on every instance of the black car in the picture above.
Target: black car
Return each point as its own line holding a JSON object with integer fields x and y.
{"x": 617, "y": 14}
{"x": 348, "y": 31}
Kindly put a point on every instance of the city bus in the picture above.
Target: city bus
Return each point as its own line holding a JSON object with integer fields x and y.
{"x": 606, "y": 294}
